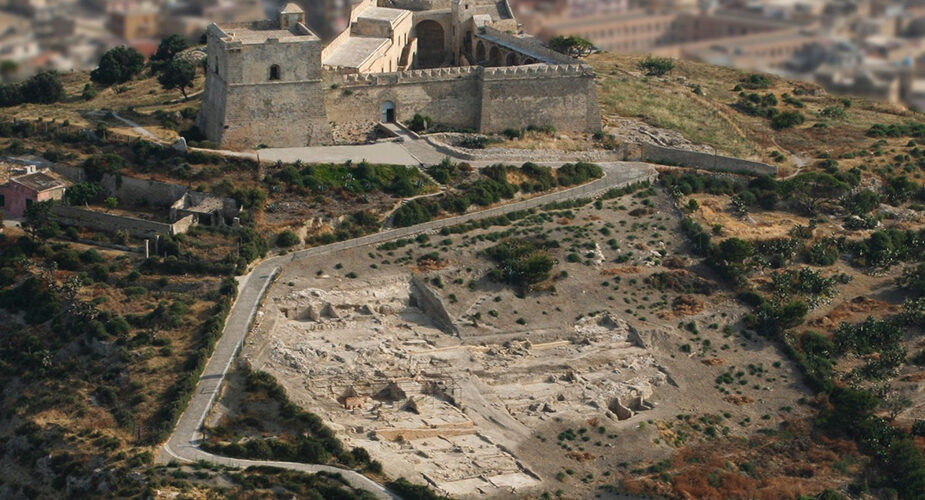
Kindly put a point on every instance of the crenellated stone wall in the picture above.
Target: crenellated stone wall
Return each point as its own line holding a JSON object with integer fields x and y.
{"x": 472, "y": 97}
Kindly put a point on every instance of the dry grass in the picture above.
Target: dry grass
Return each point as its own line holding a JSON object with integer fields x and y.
{"x": 758, "y": 225}
{"x": 787, "y": 465}
{"x": 670, "y": 102}
{"x": 541, "y": 140}
{"x": 138, "y": 100}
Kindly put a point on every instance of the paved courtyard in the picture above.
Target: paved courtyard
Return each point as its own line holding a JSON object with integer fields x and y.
{"x": 392, "y": 153}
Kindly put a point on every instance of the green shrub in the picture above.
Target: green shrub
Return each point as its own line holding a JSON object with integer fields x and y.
{"x": 287, "y": 238}
{"x": 787, "y": 119}
{"x": 512, "y": 133}
{"x": 415, "y": 212}
{"x": 520, "y": 262}
{"x": 419, "y": 123}
{"x": 756, "y": 81}
{"x": 656, "y": 66}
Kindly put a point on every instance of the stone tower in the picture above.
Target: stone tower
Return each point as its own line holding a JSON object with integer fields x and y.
{"x": 263, "y": 84}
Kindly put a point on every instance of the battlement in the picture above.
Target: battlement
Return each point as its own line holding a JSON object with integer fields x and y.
{"x": 455, "y": 73}
{"x": 411, "y": 76}
{"x": 538, "y": 71}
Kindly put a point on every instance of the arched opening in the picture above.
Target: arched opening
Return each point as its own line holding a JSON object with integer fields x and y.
{"x": 494, "y": 57}
{"x": 430, "y": 36}
{"x": 479, "y": 52}
{"x": 388, "y": 111}
{"x": 530, "y": 60}
{"x": 274, "y": 72}
{"x": 511, "y": 59}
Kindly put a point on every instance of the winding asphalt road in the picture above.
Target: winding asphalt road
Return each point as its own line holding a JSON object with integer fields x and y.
{"x": 183, "y": 444}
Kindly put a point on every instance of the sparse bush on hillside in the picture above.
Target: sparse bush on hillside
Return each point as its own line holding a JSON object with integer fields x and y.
{"x": 756, "y": 81}
{"x": 810, "y": 189}
{"x": 520, "y": 262}
{"x": 656, "y": 66}
{"x": 287, "y": 239}
{"x": 911, "y": 129}
{"x": 862, "y": 202}
{"x": 823, "y": 253}
{"x": 833, "y": 113}
{"x": 787, "y": 119}
{"x": 913, "y": 279}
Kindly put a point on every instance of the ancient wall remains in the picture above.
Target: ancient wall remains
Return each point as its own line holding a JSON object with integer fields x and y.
{"x": 98, "y": 221}
{"x": 142, "y": 191}
{"x": 432, "y": 304}
{"x": 705, "y": 161}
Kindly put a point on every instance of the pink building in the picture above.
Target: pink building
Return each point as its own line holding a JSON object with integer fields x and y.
{"x": 22, "y": 190}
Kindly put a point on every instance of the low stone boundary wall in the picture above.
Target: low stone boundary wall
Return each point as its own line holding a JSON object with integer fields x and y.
{"x": 632, "y": 152}
{"x": 521, "y": 155}
{"x": 98, "y": 221}
{"x": 704, "y": 161}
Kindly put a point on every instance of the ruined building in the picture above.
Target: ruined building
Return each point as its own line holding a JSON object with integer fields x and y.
{"x": 460, "y": 62}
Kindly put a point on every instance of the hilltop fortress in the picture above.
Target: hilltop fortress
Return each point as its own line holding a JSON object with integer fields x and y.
{"x": 460, "y": 62}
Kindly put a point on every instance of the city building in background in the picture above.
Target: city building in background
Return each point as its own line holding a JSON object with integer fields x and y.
{"x": 868, "y": 47}
{"x": 864, "y": 47}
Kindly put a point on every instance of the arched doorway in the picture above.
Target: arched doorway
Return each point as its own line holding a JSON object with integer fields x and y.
{"x": 511, "y": 59}
{"x": 494, "y": 57}
{"x": 430, "y": 44}
{"x": 388, "y": 111}
{"x": 480, "y": 52}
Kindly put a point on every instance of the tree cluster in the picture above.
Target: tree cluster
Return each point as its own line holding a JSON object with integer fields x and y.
{"x": 41, "y": 88}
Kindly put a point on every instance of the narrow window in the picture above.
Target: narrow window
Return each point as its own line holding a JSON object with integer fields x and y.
{"x": 274, "y": 72}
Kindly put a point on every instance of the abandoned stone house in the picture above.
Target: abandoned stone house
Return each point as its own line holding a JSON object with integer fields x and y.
{"x": 460, "y": 62}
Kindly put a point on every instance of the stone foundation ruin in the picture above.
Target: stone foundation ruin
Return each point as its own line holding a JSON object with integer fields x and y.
{"x": 366, "y": 358}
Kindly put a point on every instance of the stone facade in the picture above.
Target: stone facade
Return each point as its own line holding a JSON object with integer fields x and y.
{"x": 271, "y": 83}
